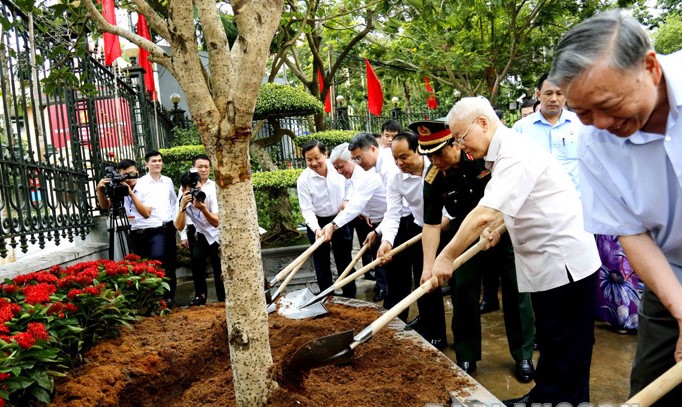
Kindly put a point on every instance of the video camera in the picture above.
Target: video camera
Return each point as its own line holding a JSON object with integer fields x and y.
{"x": 115, "y": 190}
{"x": 190, "y": 179}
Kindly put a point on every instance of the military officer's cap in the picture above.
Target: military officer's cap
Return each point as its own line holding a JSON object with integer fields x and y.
{"x": 433, "y": 135}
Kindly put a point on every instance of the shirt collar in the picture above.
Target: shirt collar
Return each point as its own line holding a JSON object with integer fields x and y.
{"x": 493, "y": 147}
{"x": 564, "y": 117}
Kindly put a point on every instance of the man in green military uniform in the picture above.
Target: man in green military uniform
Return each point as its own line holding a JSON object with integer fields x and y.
{"x": 456, "y": 183}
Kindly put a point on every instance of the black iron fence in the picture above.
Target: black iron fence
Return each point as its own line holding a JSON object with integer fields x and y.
{"x": 54, "y": 146}
{"x": 287, "y": 155}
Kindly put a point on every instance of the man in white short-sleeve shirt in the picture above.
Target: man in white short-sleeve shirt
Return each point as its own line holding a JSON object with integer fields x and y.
{"x": 556, "y": 260}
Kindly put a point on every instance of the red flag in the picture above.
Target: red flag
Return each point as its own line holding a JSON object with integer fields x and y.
{"x": 112, "y": 48}
{"x": 431, "y": 101}
{"x": 428, "y": 84}
{"x": 145, "y": 63}
{"x": 375, "y": 97}
{"x": 327, "y": 101}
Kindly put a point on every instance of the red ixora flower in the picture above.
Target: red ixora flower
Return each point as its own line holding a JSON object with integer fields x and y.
{"x": 38, "y": 294}
{"x": 91, "y": 290}
{"x": 4, "y": 376}
{"x": 38, "y": 330}
{"x": 74, "y": 293}
{"x": 9, "y": 288}
{"x": 24, "y": 339}
{"x": 132, "y": 257}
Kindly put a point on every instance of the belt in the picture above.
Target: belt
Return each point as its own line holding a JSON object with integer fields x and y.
{"x": 157, "y": 229}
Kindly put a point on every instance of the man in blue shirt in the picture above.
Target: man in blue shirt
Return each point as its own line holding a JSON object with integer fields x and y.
{"x": 554, "y": 127}
{"x": 631, "y": 168}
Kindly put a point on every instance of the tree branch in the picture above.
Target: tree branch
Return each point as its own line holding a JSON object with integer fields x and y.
{"x": 159, "y": 53}
{"x": 155, "y": 21}
{"x": 219, "y": 62}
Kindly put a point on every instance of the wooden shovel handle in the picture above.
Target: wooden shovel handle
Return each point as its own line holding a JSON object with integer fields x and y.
{"x": 341, "y": 283}
{"x": 287, "y": 280}
{"x": 300, "y": 259}
{"x": 357, "y": 257}
{"x": 383, "y": 320}
{"x": 658, "y": 388}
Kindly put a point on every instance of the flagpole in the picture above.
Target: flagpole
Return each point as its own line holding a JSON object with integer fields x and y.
{"x": 367, "y": 118}
{"x": 118, "y": 107}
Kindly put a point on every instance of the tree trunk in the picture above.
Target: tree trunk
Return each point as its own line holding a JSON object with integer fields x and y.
{"x": 247, "y": 319}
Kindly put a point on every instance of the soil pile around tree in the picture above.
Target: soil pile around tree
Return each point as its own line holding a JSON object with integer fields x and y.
{"x": 182, "y": 359}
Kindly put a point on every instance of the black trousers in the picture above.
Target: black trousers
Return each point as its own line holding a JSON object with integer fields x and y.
{"x": 341, "y": 244}
{"x": 564, "y": 322}
{"x": 363, "y": 229}
{"x": 200, "y": 250}
{"x": 159, "y": 244}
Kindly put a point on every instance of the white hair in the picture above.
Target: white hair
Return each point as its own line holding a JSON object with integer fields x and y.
{"x": 340, "y": 152}
{"x": 469, "y": 108}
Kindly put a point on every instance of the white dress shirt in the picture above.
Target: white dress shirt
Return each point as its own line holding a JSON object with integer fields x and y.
{"x": 202, "y": 225}
{"x": 368, "y": 198}
{"x": 403, "y": 188}
{"x": 160, "y": 196}
{"x": 320, "y": 196}
{"x": 542, "y": 212}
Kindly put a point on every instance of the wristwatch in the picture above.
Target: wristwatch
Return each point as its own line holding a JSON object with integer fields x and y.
{"x": 336, "y": 227}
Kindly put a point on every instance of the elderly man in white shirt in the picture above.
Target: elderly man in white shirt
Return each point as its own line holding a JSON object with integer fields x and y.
{"x": 367, "y": 200}
{"x": 321, "y": 192}
{"x": 556, "y": 260}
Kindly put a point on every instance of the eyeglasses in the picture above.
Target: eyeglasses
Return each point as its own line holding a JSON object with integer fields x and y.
{"x": 358, "y": 159}
{"x": 460, "y": 140}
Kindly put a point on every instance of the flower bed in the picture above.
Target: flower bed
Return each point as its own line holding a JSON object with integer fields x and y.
{"x": 49, "y": 318}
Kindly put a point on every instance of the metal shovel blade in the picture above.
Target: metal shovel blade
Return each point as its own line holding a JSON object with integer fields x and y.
{"x": 290, "y": 305}
{"x": 328, "y": 350}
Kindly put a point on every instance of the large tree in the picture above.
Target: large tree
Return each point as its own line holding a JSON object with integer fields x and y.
{"x": 474, "y": 46}
{"x": 221, "y": 101}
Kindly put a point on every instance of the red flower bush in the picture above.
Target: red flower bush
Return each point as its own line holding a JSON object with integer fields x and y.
{"x": 48, "y": 318}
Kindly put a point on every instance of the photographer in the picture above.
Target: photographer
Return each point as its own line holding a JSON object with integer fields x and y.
{"x": 108, "y": 195}
{"x": 199, "y": 213}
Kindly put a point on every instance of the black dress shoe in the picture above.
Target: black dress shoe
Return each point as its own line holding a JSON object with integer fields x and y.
{"x": 521, "y": 401}
{"x": 439, "y": 344}
{"x": 379, "y": 296}
{"x": 198, "y": 300}
{"x": 468, "y": 367}
{"x": 416, "y": 323}
{"x": 525, "y": 370}
{"x": 488, "y": 306}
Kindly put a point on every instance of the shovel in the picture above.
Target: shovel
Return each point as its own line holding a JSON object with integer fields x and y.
{"x": 290, "y": 306}
{"x": 658, "y": 388}
{"x": 300, "y": 259}
{"x": 352, "y": 263}
{"x": 285, "y": 283}
{"x": 338, "y": 348}
{"x": 342, "y": 282}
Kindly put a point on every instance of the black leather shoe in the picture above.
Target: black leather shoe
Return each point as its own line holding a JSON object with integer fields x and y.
{"x": 488, "y": 306}
{"x": 439, "y": 344}
{"x": 521, "y": 401}
{"x": 468, "y": 367}
{"x": 525, "y": 370}
{"x": 198, "y": 300}
{"x": 379, "y": 296}
{"x": 416, "y": 323}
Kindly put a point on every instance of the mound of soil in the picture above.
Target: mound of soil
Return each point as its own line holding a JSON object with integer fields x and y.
{"x": 182, "y": 359}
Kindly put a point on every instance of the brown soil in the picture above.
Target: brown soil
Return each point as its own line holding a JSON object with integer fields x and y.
{"x": 182, "y": 359}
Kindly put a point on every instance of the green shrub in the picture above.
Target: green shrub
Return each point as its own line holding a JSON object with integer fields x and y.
{"x": 177, "y": 160}
{"x": 275, "y": 179}
{"x": 330, "y": 138}
{"x": 284, "y": 101}
{"x": 185, "y": 137}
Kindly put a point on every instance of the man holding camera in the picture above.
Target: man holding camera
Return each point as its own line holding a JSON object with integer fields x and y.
{"x": 135, "y": 209}
{"x": 199, "y": 213}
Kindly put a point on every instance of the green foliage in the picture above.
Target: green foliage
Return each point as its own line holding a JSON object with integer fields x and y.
{"x": 262, "y": 181}
{"x": 177, "y": 160}
{"x": 185, "y": 137}
{"x": 49, "y": 318}
{"x": 264, "y": 203}
{"x": 668, "y": 37}
{"x": 331, "y": 138}
{"x": 284, "y": 100}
